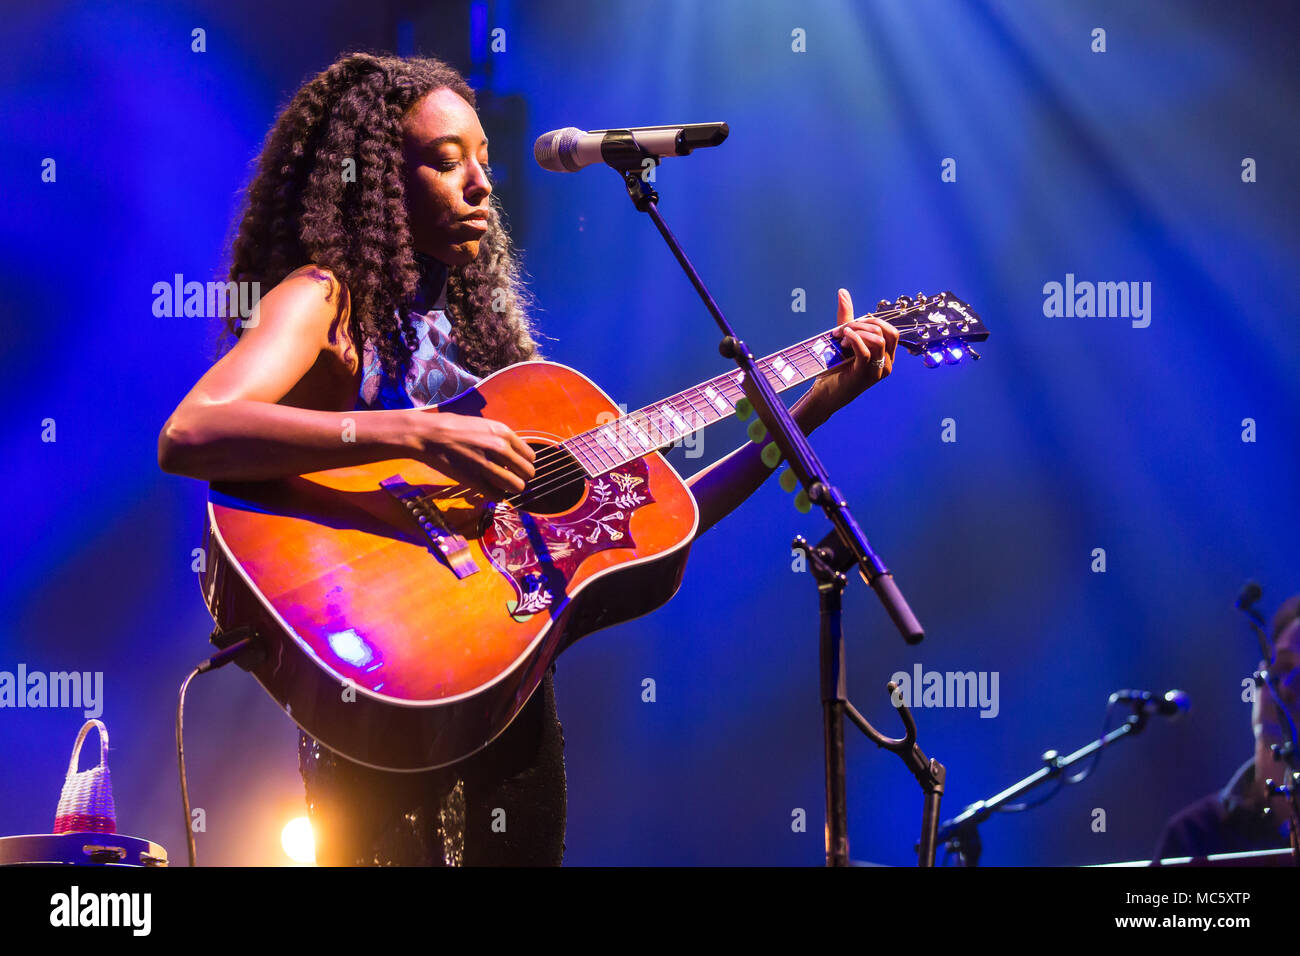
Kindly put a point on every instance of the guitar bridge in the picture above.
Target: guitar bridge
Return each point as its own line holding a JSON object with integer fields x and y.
{"x": 451, "y": 545}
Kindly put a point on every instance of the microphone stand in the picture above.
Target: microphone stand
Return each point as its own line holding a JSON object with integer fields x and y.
{"x": 961, "y": 833}
{"x": 622, "y": 151}
{"x": 1289, "y": 754}
{"x": 828, "y": 562}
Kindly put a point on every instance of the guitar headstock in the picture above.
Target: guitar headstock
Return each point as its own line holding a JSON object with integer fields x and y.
{"x": 938, "y": 328}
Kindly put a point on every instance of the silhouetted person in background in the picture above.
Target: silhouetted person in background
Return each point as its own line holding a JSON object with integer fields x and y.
{"x": 1233, "y": 820}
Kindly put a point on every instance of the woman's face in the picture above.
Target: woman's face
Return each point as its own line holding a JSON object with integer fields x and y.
{"x": 447, "y": 188}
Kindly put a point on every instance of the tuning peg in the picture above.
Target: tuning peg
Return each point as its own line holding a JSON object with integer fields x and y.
{"x": 789, "y": 480}
{"x": 921, "y": 299}
{"x": 756, "y": 431}
{"x": 903, "y": 302}
{"x": 884, "y": 304}
{"x": 744, "y": 409}
{"x": 801, "y": 502}
{"x": 952, "y": 353}
{"x": 932, "y": 358}
{"x": 771, "y": 455}
{"x": 970, "y": 351}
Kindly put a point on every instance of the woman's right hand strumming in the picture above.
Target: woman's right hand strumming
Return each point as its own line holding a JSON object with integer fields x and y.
{"x": 479, "y": 452}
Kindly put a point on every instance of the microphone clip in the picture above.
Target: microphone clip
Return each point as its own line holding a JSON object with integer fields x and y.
{"x": 622, "y": 151}
{"x": 639, "y": 189}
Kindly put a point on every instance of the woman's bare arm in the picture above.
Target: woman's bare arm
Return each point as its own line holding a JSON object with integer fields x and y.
{"x": 230, "y": 427}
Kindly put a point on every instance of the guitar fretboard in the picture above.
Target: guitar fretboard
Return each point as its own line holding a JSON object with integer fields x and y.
{"x": 648, "y": 429}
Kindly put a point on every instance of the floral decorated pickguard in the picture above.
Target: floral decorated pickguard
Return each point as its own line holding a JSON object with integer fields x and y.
{"x": 538, "y": 554}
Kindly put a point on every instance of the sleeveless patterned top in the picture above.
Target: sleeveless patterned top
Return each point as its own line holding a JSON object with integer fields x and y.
{"x": 435, "y": 373}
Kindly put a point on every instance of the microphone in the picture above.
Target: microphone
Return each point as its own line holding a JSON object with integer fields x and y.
{"x": 1250, "y": 593}
{"x": 1173, "y": 704}
{"x": 570, "y": 149}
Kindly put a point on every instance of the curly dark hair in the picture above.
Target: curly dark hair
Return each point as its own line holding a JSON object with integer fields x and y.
{"x": 298, "y": 210}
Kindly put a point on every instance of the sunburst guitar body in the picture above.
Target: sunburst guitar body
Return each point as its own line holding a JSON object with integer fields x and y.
{"x": 404, "y": 620}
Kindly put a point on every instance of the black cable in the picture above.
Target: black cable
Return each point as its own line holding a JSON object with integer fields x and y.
{"x": 227, "y": 654}
{"x": 180, "y": 756}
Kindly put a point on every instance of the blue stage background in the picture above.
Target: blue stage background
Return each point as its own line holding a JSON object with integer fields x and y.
{"x": 1072, "y": 434}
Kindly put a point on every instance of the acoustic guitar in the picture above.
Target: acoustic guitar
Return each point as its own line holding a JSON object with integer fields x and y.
{"x": 405, "y": 620}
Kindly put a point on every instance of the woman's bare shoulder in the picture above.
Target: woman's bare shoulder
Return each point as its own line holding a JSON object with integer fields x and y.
{"x": 317, "y": 281}
{"x": 316, "y": 291}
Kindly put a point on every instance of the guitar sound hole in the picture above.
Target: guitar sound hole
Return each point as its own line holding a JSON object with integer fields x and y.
{"x": 558, "y": 485}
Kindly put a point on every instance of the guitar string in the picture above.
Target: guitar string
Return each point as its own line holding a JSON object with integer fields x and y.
{"x": 555, "y": 460}
{"x": 564, "y": 473}
{"x": 584, "y": 442}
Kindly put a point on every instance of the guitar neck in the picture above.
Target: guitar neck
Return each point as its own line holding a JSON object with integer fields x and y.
{"x": 648, "y": 429}
{"x": 938, "y": 329}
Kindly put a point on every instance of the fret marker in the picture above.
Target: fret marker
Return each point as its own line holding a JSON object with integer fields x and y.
{"x": 676, "y": 419}
{"x": 784, "y": 369}
{"x": 640, "y": 435}
{"x": 831, "y": 353}
{"x": 720, "y": 403}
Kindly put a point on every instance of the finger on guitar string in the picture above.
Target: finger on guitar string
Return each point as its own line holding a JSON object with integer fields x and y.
{"x": 510, "y": 479}
{"x": 858, "y": 344}
{"x": 485, "y": 454}
{"x": 871, "y": 334}
{"x": 507, "y": 456}
{"x": 891, "y": 335}
{"x": 518, "y": 444}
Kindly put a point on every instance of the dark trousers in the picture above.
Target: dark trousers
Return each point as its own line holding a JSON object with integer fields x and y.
{"x": 504, "y": 806}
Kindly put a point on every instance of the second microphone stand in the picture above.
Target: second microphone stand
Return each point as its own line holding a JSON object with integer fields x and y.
{"x": 961, "y": 833}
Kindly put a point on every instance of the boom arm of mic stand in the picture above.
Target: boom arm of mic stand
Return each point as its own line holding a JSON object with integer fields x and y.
{"x": 775, "y": 416}
{"x": 961, "y": 831}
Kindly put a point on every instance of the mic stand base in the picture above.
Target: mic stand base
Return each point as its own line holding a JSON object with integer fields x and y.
{"x": 929, "y": 773}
